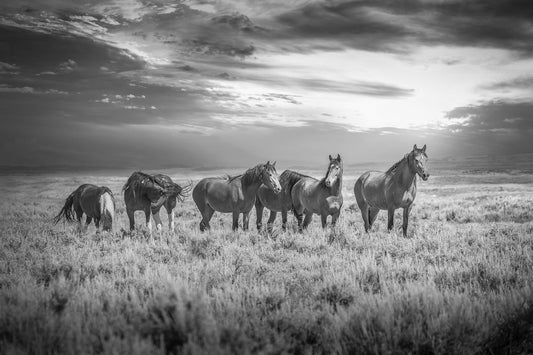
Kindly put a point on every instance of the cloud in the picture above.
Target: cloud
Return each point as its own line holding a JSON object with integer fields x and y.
{"x": 29, "y": 90}
{"x": 494, "y": 116}
{"x": 397, "y": 26}
{"x": 523, "y": 82}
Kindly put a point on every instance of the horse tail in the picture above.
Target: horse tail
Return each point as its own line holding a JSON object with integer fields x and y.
{"x": 107, "y": 208}
{"x": 67, "y": 210}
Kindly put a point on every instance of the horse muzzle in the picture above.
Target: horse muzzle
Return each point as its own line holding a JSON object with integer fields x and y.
{"x": 425, "y": 176}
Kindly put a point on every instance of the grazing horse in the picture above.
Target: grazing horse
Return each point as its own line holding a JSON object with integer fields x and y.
{"x": 281, "y": 202}
{"x": 146, "y": 193}
{"x": 233, "y": 194}
{"x": 323, "y": 197}
{"x": 393, "y": 189}
{"x": 177, "y": 193}
{"x": 95, "y": 201}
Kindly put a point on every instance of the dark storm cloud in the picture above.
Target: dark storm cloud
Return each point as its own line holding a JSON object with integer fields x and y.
{"x": 497, "y": 126}
{"x": 37, "y": 52}
{"x": 494, "y": 116}
{"x": 387, "y": 25}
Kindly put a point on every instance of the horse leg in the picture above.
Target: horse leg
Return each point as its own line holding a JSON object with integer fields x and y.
{"x": 258, "y": 214}
{"x": 324, "y": 220}
{"x": 157, "y": 219}
{"x": 307, "y": 219}
{"x": 131, "y": 218}
{"x": 207, "y": 213}
{"x": 391, "y": 219}
{"x": 284, "y": 219}
{"x": 271, "y": 219}
{"x": 171, "y": 217}
{"x": 406, "y": 211}
{"x": 97, "y": 224}
{"x": 245, "y": 220}
{"x": 334, "y": 218}
{"x": 235, "y": 225}
{"x": 147, "y": 214}
{"x": 88, "y": 221}
{"x": 372, "y": 215}
{"x": 364, "y": 213}
{"x": 79, "y": 215}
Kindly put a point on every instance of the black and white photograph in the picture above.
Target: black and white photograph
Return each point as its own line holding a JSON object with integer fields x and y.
{"x": 266, "y": 177}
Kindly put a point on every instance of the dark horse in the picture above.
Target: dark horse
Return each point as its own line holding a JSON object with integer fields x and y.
{"x": 233, "y": 194}
{"x": 95, "y": 201}
{"x": 276, "y": 202}
{"x": 176, "y": 193}
{"x": 323, "y": 197}
{"x": 393, "y": 189}
{"x": 146, "y": 193}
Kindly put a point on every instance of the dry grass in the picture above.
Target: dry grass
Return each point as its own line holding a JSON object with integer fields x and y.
{"x": 460, "y": 283}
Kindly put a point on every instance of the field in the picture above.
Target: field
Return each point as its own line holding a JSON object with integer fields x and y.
{"x": 461, "y": 282}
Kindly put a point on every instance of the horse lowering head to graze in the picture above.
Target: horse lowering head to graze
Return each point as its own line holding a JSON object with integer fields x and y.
{"x": 97, "y": 202}
{"x": 175, "y": 193}
{"x": 234, "y": 195}
{"x": 144, "y": 192}
{"x": 323, "y": 197}
{"x": 276, "y": 202}
{"x": 393, "y": 189}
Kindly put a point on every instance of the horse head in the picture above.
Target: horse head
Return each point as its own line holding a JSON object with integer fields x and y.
{"x": 269, "y": 177}
{"x": 334, "y": 170}
{"x": 151, "y": 189}
{"x": 418, "y": 162}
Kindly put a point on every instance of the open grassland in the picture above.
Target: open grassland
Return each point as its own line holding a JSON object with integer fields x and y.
{"x": 460, "y": 283}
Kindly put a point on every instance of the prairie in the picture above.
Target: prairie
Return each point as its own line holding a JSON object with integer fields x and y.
{"x": 461, "y": 282}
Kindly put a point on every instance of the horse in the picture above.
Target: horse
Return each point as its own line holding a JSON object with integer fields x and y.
{"x": 178, "y": 193}
{"x": 233, "y": 194}
{"x": 146, "y": 193}
{"x": 281, "y": 202}
{"x": 393, "y": 189}
{"x": 323, "y": 197}
{"x": 97, "y": 202}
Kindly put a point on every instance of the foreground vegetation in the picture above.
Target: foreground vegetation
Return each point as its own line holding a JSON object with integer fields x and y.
{"x": 460, "y": 283}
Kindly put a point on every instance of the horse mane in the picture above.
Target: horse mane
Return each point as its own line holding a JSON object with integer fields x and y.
{"x": 397, "y": 164}
{"x": 166, "y": 182}
{"x": 288, "y": 178}
{"x": 134, "y": 182}
{"x": 252, "y": 174}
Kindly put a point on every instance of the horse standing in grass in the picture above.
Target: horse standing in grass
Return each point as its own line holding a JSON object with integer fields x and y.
{"x": 177, "y": 193}
{"x": 276, "y": 202}
{"x": 233, "y": 194}
{"x": 97, "y": 202}
{"x": 145, "y": 193}
{"x": 393, "y": 189}
{"x": 323, "y": 197}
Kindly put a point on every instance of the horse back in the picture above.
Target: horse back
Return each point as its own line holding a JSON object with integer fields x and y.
{"x": 220, "y": 193}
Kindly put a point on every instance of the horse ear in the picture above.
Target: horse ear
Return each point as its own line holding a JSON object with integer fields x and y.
{"x": 415, "y": 148}
{"x": 268, "y": 163}
{"x": 330, "y": 158}
{"x": 274, "y": 164}
{"x": 424, "y": 149}
{"x": 338, "y": 157}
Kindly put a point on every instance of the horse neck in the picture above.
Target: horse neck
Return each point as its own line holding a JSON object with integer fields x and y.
{"x": 250, "y": 183}
{"x": 404, "y": 175}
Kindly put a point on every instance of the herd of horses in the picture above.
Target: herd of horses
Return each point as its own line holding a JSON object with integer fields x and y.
{"x": 261, "y": 187}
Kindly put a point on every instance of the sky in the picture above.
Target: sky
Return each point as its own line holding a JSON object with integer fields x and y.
{"x": 211, "y": 83}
